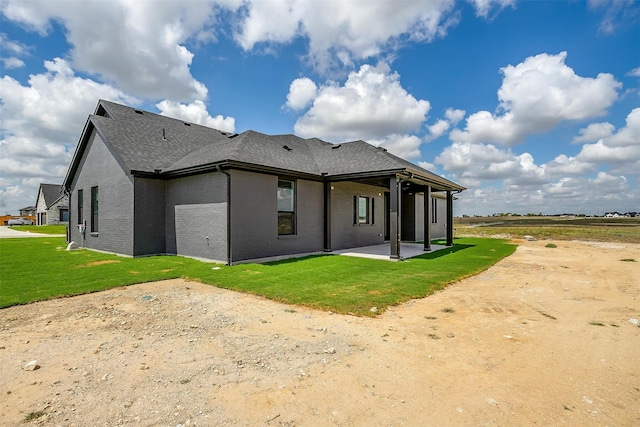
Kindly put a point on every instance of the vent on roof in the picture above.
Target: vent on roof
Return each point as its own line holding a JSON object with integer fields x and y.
{"x": 187, "y": 124}
{"x": 383, "y": 149}
{"x": 139, "y": 112}
{"x": 233, "y": 136}
{"x": 164, "y": 135}
{"x": 286, "y": 147}
{"x": 333, "y": 147}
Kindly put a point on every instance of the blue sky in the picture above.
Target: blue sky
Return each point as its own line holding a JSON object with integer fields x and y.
{"x": 534, "y": 106}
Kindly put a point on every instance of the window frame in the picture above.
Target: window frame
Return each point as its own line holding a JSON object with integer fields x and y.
{"x": 369, "y": 205}
{"x": 94, "y": 209}
{"x": 61, "y": 211}
{"x": 80, "y": 200}
{"x": 363, "y": 202}
{"x": 434, "y": 210}
{"x": 290, "y": 212}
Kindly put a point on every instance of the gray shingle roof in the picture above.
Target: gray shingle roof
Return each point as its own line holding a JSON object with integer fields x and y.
{"x": 51, "y": 193}
{"x": 148, "y": 142}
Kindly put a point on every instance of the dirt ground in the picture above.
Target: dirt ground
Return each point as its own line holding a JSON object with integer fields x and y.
{"x": 545, "y": 337}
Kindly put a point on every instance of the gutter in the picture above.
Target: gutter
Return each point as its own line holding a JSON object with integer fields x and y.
{"x": 229, "y": 257}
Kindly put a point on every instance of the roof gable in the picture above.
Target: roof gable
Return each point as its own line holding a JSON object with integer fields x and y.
{"x": 50, "y": 192}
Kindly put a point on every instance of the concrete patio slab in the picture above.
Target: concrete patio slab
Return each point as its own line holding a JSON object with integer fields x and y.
{"x": 407, "y": 250}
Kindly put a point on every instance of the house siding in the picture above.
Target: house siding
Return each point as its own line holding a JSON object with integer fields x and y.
{"x": 196, "y": 216}
{"x": 438, "y": 228}
{"x": 149, "y": 213}
{"x": 344, "y": 234}
{"x": 53, "y": 213}
{"x": 98, "y": 167}
{"x": 408, "y": 217}
{"x": 41, "y": 210}
{"x": 254, "y": 217}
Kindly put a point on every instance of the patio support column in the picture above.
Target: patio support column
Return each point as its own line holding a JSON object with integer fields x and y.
{"x": 327, "y": 216}
{"x": 427, "y": 218}
{"x": 394, "y": 216}
{"x": 449, "y": 218}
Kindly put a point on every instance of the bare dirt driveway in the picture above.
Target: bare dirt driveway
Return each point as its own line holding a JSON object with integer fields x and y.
{"x": 548, "y": 336}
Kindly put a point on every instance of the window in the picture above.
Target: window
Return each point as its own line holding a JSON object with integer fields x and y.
{"x": 362, "y": 210}
{"x": 434, "y": 211}
{"x": 80, "y": 206}
{"x": 286, "y": 207}
{"x": 94, "y": 209}
{"x": 64, "y": 215}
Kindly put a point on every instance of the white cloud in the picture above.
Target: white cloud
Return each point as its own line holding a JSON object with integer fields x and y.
{"x": 587, "y": 195}
{"x": 635, "y": 72}
{"x": 405, "y": 146}
{"x": 600, "y": 152}
{"x": 371, "y": 105}
{"x": 196, "y": 112}
{"x": 139, "y": 46}
{"x": 594, "y": 132}
{"x": 488, "y": 162}
{"x": 483, "y": 7}
{"x": 55, "y": 104}
{"x": 41, "y": 124}
{"x": 344, "y": 30}
{"x": 616, "y": 12}
{"x": 12, "y": 62}
{"x": 301, "y": 92}
{"x": 438, "y": 129}
{"x": 564, "y": 165}
{"x": 15, "y": 47}
{"x": 454, "y": 116}
{"x": 428, "y": 166}
{"x": 536, "y": 95}
{"x": 621, "y": 148}
{"x": 628, "y": 135}
{"x": 481, "y": 161}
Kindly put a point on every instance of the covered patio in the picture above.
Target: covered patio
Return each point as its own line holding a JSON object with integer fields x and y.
{"x": 382, "y": 252}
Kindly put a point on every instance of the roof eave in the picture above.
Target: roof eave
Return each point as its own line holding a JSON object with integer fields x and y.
{"x": 225, "y": 164}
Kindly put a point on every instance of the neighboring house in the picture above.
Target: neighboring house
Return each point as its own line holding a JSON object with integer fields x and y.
{"x": 144, "y": 184}
{"x": 29, "y": 211}
{"x": 52, "y": 205}
{"x": 612, "y": 215}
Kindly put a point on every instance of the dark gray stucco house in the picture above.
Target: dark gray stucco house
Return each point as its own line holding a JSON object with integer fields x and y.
{"x": 142, "y": 184}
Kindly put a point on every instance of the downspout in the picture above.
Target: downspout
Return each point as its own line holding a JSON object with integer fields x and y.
{"x": 67, "y": 193}
{"x": 229, "y": 258}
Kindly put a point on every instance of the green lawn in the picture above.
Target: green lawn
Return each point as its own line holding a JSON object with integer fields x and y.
{"x": 42, "y": 229}
{"x": 41, "y": 268}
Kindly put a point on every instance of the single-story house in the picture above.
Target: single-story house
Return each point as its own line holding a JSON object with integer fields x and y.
{"x": 142, "y": 184}
{"x": 52, "y": 205}
{"x": 28, "y": 211}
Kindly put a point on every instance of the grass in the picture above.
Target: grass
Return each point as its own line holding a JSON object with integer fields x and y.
{"x": 33, "y": 416}
{"x": 596, "y": 323}
{"x": 550, "y": 245}
{"x": 42, "y": 229}
{"x": 330, "y": 282}
{"x": 625, "y": 230}
{"x": 628, "y": 260}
